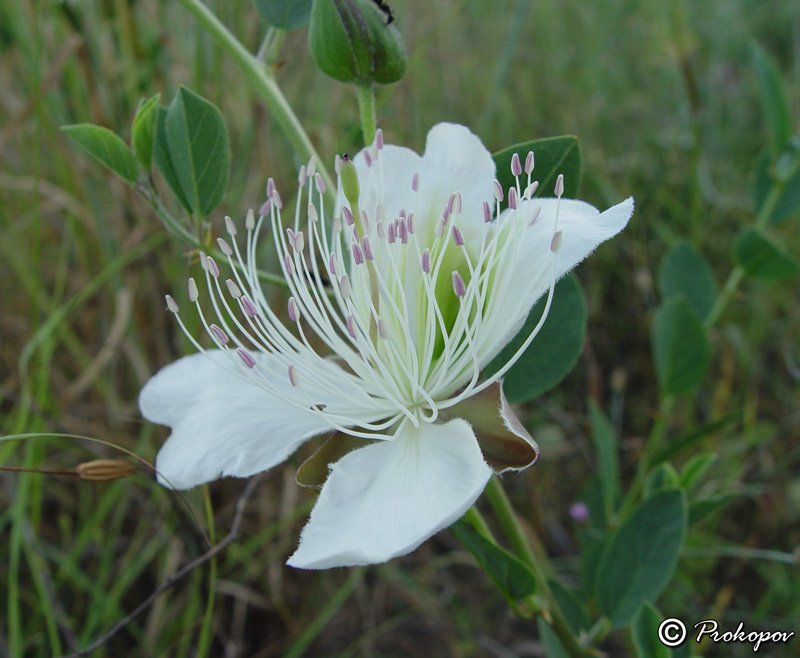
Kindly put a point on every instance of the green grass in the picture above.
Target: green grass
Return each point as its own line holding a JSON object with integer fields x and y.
{"x": 78, "y": 556}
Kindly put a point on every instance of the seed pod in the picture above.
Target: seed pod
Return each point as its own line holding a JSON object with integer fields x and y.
{"x": 105, "y": 470}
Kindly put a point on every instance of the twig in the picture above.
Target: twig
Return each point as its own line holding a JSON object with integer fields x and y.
{"x": 232, "y": 535}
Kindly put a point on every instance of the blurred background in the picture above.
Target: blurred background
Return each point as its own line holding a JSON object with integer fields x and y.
{"x": 665, "y": 101}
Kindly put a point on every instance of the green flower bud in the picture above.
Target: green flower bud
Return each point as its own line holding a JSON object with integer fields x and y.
{"x": 355, "y": 41}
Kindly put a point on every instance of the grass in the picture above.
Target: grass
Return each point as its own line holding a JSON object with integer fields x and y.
{"x": 667, "y": 110}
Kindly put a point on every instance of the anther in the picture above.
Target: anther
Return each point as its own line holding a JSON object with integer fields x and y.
{"x": 250, "y": 220}
{"x": 531, "y": 189}
{"x": 351, "y": 326}
{"x": 224, "y": 247}
{"x": 529, "y": 163}
{"x": 220, "y": 335}
{"x": 172, "y": 305}
{"x": 276, "y": 199}
{"x": 555, "y": 243}
{"x": 230, "y": 226}
{"x": 263, "y": 211}
{"x": 248, "y": 307}
{"x": 458, "y": 238}
{"x": 487, "y": 212}
{"x": 344, "y": 286}
{"x": 301, "y": 177}
{"x": 212, "y": 267}
{"x": 559, "y": 185}
{"x": 313, "y": 215}
{"x": 299, "y": 242}
{"x": 498, "y": 191}
{"x": 233, "y": 289}
{"x": 410, "y": 223}
{"x": 379, "y": 138}
{"x": 512, "y": 198}
{"x": 292, "y": 238}
{"x": 402, "y": 230}
{"x": 270, "y": 187}
{"x": 459, "y": 288}
{"x": 319, "y": 183}
{"x": 391, "y": 233}
{"x": 311, "y": 167}
{"x": 536, "y": 212}
{"x": 415, "y": 182}
{"x": 381, "y": 230}
{"x": 383, "y": 329}
{"x": 367, "y": 158}
{"x": 455, "y": 206}
{"x": 516, "y": 167}
{"x": 292, "y": 375}
{"x": 364, "y": 219}
{"x": 294, "y": 310}
{"x": 332, "y": 264}
{"x": 367, "y": 248}
{"x": 358, "y": 255}
{"x": 288, "y": 263}
{"x": 426, "y": 261}
{"x": 246, "y": 357}
{"x": 192, "y": 288}
{"x": 348, "y": 216}
{"x": 440, "y": 227}
{"x": 337, "y": 163}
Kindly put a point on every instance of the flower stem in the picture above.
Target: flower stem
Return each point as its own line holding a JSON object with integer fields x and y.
{"x": 366, "y": 110}
{"x": 537, "y": 560}
{"x": 265, "y": 84}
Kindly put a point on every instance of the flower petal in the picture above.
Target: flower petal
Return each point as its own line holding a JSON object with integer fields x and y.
{"x": 223, "y": 424}
{"x": 505, "y": 443}
{"x": 384, "y": 500}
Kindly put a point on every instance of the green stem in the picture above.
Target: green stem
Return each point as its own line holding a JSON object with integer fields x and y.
{"x": 263, "y": 82}
{"x": 204, "y": 643}
{"x": 537, "y": 560}
{"x": 366, "y": 110}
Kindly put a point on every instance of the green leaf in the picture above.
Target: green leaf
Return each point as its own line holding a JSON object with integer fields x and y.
{"x": 761, "y": 258}
{"x": 606, "y": 452}
{"x": 694, "y": 470}
{"x": 684, "y": 271}
{"x": 285, "y": 14}
{"x": 644, "y": 632}
{"x": 198, "y": 147}
{"x": 573, "y": 610}
{"x": 773, "y": 98}
{"x": 663, "y": 477}
{"x": 680, "y": 347}
{"x": 705, "y": 507}
{"x": 769, "y": 174}
{"x": 554, "y": 352}
{"x": 106, "y": 147}
{"x": 552, "y": 156}
{"x": 553, "y": 648}
{"x": 639, "y": 559}
{"x": 510, "y": 575}
{"x": 143, "y": 131}
{"x": 164, "y": 159}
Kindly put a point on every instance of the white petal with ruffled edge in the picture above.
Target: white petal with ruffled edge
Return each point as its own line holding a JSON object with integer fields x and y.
{"x": 224, "y": 424}
{"x": 384, "y": 500}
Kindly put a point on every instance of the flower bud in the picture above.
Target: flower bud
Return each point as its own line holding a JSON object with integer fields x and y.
{"x": 105, "y": 470}
{"x": 355, "y": 41}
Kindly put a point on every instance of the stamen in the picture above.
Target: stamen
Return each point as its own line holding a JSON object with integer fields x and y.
{"x": 348, "y": 216}
{"x": 263, "y": 211}
{"x": 230, "y": 226}
{"x": 345, "y": 289}
{"x": 319, "y": 183}
{"x": 390, "y": 234}
{"x": 270, "y": 187}
{"x": 292, "y": 375}
{"x": 455, "y": 206}
{"x": 192, "y": 287}
{"x": 415, "y": 182}
{"x": 410, "y": 223}
{"x": 250, "y": 219}
{"x": 233, "y": 289}
{"x": 383, "y": 329}
{"x": 531, "y": 189}
{"x": 367, "y": 158}
{"x": 172, "y": 305}
{"x": 367, "y": 248}
{"x": 498, "y": 191}
{"x": 516, "y": 167}
{"x": 487, "y": 212}
{"x": 458, "y": 285}
{"x": 458, "y": 239}
{"x": 351, "y": 326}
{"x": 380, "y": 230}
{"x": 313, "y": 216}
{"x": 536, "y": 211}
{"x": 224, "y": 247}
{"x": 555, "y": 243}
{"x": 337, "y": 164}
{"x": 559, "y": 185}
{"x": 426, "y": 261}
{"x": 248, "y": 307}
{"x": 301, "y": 177}
{"x": 220, "y": 335}
{"x": 512, "y": 198}
{"x": 294, "y": 311}
{"x": 246, "y": 357}
{"x": 402, "y": 230}
{"x": 358, "y": 255}
{"x": 529, "y": 163}
{"x": 311, "y": 167}
{"x": 276, "y": 199}
{"x": 332, "y": 264}
{"x": 379, "y": 138}
{"x": 289, "y": 265}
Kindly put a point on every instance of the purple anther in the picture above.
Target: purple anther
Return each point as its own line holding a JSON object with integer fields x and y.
{"x": 364, "y": 219}
{"x": 311, "y": 167}
{"x": 246, "y": 357}
{"x": 230, "y": 226}
{"x": 351, "y": 326}
{"x": 319, "y": 183}
{"x": 529, "y": 163}
{"x": 367, "y": 158}
{"x": 456, "y": 205}
{"x": 250, "y": 219}
{"x": 439, "y": 230}
{"x": 288, "y": 263}
{"x": 410, "y": 223}
{"x": 292, "y": 375}
{"x": 531, "y": 189}
{"x": 426, "y": 261}
{"x": 498, "y": 190}
{"x": 292, "y": 238}
{"x": 263, "y": 211}
{"x": 512, "y": 198}
{"x": 458, "y": 285}
{"x": 225, "y": 248}
{"x": 301, "y": 177}
{"x": 172, "y": 305}
{"x": 402, "y": 230}
{"x": 579, "y": 512}
{"x": 248, "y": 307}
{"x": 221, "y": 336}
{"x": 415, "y": 182}
{"x": 192, "y": 288}
{"x": 344, "y": 286}
{"x": 487, "y": 212}
{"x": 458, "y": 238}
{"x": 559, "y": 185}
{"x": 367, "y": 248}
{"x": 391, "y": 233}
{"x": 270, "y": 187}
{"x": 516, "y": 167}
{"x": 379, "y": 227}
{"x": 536, "y": 212}
{"x": 379, "y": 138}
{"x": 294, "y": 310}
{"x": 358, "y": 255}
{"x": 276, "y": 199}
{"x": 383, "y": 329}
{"x": 233, "y": 289}
{"x": 212, "y": 267}
{"x": 313, "y": 215}
{"x": 332, "y": 264}
{"x": 555, "y": 243}
{"x": 348, "y": 216}
{"x": 450, "y": 203}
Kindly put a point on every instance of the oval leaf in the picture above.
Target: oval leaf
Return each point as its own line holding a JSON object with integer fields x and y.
{"x": 680, "y": 347}
{"x": 645, "y": 634}
{"x": 639, "y": 559}
{"x": 285, "y": 14}
{"x": 106, "y": 147}
{"x": 761, "y": 258}
{"x": 143, "y": 131}
{"x": 554, "y": 352}
{"x": 198, "y": 147}
{"x": 684, "y": 271}
{"x": 552, "y": 156}
{"x": 164, "y": 159}
{"x": 513, "y": 578}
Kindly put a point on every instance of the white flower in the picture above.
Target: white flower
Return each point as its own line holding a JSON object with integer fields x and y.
{"x": 414, "y": 286}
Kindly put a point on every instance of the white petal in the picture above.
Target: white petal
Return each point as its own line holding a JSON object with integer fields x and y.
{"x": 223, "y": 424}
{"x": 384, "y": 500}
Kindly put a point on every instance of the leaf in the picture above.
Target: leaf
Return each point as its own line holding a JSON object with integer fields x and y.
{"x": 694, "y": 470}
{"x": 554, "y": 352}
{"x": 767, "y": 175}
{"x": 553, "y": 648}
{"x": 285, "y": 14}
{"x": 105, "y": 147}
{"x": 198, "y": 147}
{"x": 607, "y": 455}
{"x": 573, "y": 610}
{"x": 510, "y": 575}
{"x": 773, "y": 98}
{"x": 663, "y": 477}
{"x": 705, "y": 507}
{"x": 164, "y": 159}
{"x": 680, "y": 347}
{"x": 761, "y": 258}
{"x": 644, "y": 632}
{"x": 143, "y": 131}
{"x": 552, "y": 156}
{"x": 684, "y": 271}
{"x": 639, "y": 559}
